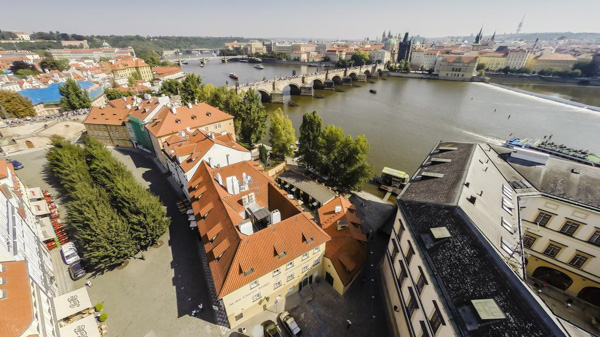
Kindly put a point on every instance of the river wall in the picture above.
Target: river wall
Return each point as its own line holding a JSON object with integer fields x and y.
{"x": 536, "y": 79}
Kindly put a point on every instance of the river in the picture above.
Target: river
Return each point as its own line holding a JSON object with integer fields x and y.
{"x": 407, "y": 117}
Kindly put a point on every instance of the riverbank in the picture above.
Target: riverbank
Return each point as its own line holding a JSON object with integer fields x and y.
{"x": 537, "y": 79}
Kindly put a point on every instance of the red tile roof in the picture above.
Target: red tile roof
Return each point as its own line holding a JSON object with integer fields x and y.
{"x": 16, "y": 309}
{"x": 107, "y": 116}
{"x": 125, "y": 62}
{"x": 295, "y": 234}
{"x": 557, "y": 57}
{"x": 165, "y": 71}
{"x": 166, "y": 122}
{"x": 347, "y": 249}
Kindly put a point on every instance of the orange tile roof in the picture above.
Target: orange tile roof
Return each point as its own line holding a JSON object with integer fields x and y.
{"x": 166, "y": 123}
{"x": 125, "y": 62}
{"x": 195, "y": 145}
{"x": 347, "y": 249}
{"x": 140, "y": 108}
{"x": 107, "y": 116}
{"x": 240, "y": 252}
{"x": 460, "y": 58}
{"x": 165, "y": 71}
{"x": 16, "y": 309}
{"x": 557, "y": 57}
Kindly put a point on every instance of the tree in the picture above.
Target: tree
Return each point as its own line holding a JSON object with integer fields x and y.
{"x": 481, "y": 73}
{"x": 15, "y": 105}
{"x": 282, "y": 134}
{"x": 251, "y": 118}
{"x": 114, "y": 94}
{"x": 480, "y": 66}
{"x": 191, "y": 88}
{"x": 21, "y": 65}
{"x": 341, "y": 63}
{"x": 50, "y": 63}
{"x": 311, "y": 130}
{"x": 326, "y": 58}
{"x": 263, "y": 154}
{"x": 131, "y": 81}
{"x": 586, "y": 68}
{"x": 360, "y": 58}
{"x": 171, "y": 87}
{"x": 73, "y": 97}
{"x": 406, "y": 66}
{"x": 150, "y": 57}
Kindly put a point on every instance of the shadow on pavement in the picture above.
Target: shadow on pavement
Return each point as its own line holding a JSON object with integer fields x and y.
{"x": 190, "y": 283}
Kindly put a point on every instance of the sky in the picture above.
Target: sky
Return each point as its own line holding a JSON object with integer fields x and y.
{"x": 322, "y": 19}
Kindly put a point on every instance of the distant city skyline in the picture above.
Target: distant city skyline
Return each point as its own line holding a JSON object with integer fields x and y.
{"x": 309, "y": 19}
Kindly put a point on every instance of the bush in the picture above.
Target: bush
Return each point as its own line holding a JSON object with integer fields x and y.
{"x": 99, "y": 307}
{"x": 103, "y": 317}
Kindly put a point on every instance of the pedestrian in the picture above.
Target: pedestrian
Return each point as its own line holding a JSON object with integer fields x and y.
{"x": 349, "y": 324}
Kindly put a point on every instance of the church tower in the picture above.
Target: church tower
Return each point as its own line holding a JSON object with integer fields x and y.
{"x": 477, "y": 43}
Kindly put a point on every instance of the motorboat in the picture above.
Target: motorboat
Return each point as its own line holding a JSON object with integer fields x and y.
{"x": 233, "y": 76}
{"x": 373, "y": 91}
{"x": 259, "y": 66}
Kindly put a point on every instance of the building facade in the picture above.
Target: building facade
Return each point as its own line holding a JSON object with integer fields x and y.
{"x": 517, "y": 58}
{"x": 405, "y": 48}
{"x": 493, "y": 61}
{"x": 95, "y": 54}
{"x": 555, "y": 61}
{"x": 457, "y": 68}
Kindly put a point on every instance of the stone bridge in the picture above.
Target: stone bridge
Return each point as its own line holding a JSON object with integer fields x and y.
{"x": 272, "y": 90}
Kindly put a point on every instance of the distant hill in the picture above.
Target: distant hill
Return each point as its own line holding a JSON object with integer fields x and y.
{"x": 551, "y": 36}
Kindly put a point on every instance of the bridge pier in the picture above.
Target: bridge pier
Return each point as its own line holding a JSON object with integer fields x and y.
{"x": 362, "y": 78}
{"x": 329, "y": 84}
{"x": 347, "y": 80}
{"x": 277, "y": 97}
{"x": 306, "y": 90}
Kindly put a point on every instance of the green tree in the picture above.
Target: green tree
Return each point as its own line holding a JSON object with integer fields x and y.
{"x": 311, "y": 131}
{"x": 191, "y": 88}
{"x": 114, "y": 94}
{"x": 150, "y": 57}
{"x": 50, "y": 63}
{"x": 131, "y": 81}
{"x": 282, "y": 135}
{"x": 73, "y": 97}
{"x": 586, "y": 68}
{"x": 480, "y": 66}
{"x": 251, "y": 118}
{"x": 360, "y": 58}
{"x": 481, "y": 73}
{"x": 21, "y": 65}
{"x": 171, "y": 87}
{"x": 15, "y": 105}
{"x": 263, "y": 154}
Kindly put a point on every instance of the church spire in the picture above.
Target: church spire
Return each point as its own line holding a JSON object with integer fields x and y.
{"x": 493, "y": 36}
{"x": 478, "y": 37}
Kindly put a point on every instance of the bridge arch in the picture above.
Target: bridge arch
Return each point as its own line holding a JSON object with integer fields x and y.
{"x": 353, "y": 76}
{"x": 294, "y": 88}
{"x": 553, "y": 277}
{"x": 379, "y": 72}
{"x": 336, "y": 79}
{"x": 318, "y": 84}
{"x": 368, "y": 73}
{"x": 264, "y": 95}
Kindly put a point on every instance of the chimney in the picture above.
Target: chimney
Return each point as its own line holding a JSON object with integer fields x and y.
{"x": 187, "y": 128}
{"x": 219, "y": 179}
{"x": 338, "y": 208}
{"x": 174, "y": 110}
{"x": 212, "y": 135}
{"x": 128, "y": 106}
{"x": 189, "y": 105}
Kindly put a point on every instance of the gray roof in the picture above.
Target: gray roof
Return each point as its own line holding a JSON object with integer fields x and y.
{"x": 317, "y": 191}
{"x": 557, "y": 178}
{"x": 465, "y": 267}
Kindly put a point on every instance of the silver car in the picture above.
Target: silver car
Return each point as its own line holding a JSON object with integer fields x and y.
{"x": 290, "y": 324}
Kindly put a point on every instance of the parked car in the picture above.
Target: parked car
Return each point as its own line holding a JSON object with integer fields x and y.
{"x": 69, "y": 253}
{"x": 17, "y": 164}
{"x": 289, "y": 324}
{"x": 76, "y": 270}
{"x": 271, "y": 329}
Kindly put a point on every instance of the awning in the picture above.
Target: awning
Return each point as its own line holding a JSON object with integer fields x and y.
{"x": 71, "y": 303}
{"x": 190, "y": 211}
{"x": 86, "y": 326}
{"x": 40, "y": 208}
{"x": 35, "y": 193}
{"x": 47, "y": 230}
{"x": 193, "y": 224}
{"x": 192, "y": 218}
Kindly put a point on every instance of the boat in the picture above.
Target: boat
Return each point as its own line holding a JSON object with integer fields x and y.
{"x": 373, "y": 91}
{"x": 185, "y": 62}
{"x": 259, "y": 66}
{"x": 392, "y": 180}
{"x": 234, "y": 76}
{"x": 556, "y": 150}
{"x": 244, "y": 60}
{"x": 201, "y": 65}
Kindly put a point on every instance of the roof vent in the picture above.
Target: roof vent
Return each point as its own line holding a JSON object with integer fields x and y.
{"x": 187, "y": 128}
{"x": 342, "y": 224}
{"x": 209, "y": 114}
{"x": 189, "y": 105}
{"x": 2, "y": 268}
{"x": 431, "y": 175}
{"x": 472, "y": 199}
{"x": 2, "y": 294}
{"x": 275, "y": 217}
{"x": 194, "y": 117}
{"x": 338, "y": 208}
{"x": 174, "y": 110}
{"x": 447, "y": 148}
{"x": 440, "y": 160}
{"x": 178, "y": 121}
{"x": 219, "y": 179}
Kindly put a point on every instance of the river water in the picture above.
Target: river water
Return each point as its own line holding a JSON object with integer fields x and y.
{"x": 407, "y": 117}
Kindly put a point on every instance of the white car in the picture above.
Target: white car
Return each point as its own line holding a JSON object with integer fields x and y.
{"x": 69, "y": 253}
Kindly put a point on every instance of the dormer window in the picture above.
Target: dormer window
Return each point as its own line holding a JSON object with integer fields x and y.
{"x": 194, "y": 117}
{"x": 178, "y": 121}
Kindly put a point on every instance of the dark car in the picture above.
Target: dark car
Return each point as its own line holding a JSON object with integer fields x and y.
{"x": 290, "y": 324}
{"x": 271, "y": 329}
{"x": 17, "y": 164}
{"x": 76, "y": 270}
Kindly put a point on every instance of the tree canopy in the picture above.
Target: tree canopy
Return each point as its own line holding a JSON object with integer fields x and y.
{"x": 171, "y": 87}
{"x": 251, "y": 118}
{"x": 282, "y": 135}
{"x": 310, "y": 135}
{"x": 361, "y": 58}
{"x": 114, "y": 94}
{"x": 15, "y": 105}
{"x": 191, "y": 88}
{"x": 50, "y": 63}
{"x": 73, "y": 97}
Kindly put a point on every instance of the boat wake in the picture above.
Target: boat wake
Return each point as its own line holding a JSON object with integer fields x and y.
{"x": 487, "y": 139}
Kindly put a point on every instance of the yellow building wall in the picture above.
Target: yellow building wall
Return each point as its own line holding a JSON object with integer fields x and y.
{"x": 241, "y": 301}
{"x": 338, "y": 285}
{"x": 493, "y": 63}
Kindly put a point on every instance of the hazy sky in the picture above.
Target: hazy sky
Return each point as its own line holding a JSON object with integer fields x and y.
{"x": 300, "y": 18}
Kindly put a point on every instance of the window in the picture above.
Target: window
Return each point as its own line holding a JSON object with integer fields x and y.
{"x": 316, "y": 250}
{"x": 542, "y": 219}
{"x": 506, "y": 246}
{"x": 507, "y": 192}
{"x": 256, "y": 297}
{"x": 528, "y": 241}
{"x": 304, "y": 269}
{"x": 436, "y": 319}
{"x": 276, "y": 272}
{"x": 401, "y": 230}
{"x": 595, "y": 239}
{"x": 289, "y": 265}
{"x": 254, "y": 284}
{"x": 424, "y": 332}
{"x": 578, "y": 261}
{"x": 569, "y": 228}
{"x": 412, "y": 304}
{"x": 316, "y": 262}
{"x": 410, "y": 253}
{"x": 552, "y": 250}
{"x": 291, "y": 290}
{"x": 290, "y": 277}
{"x": 238, "y": 317}
{"x": 508, "y": 226}
{"x": 304, "y": 256}
{"x": 395, "y": 247}
{"x": 277, "y": 285}
{"x": 421, "y": 282}
{"x": 507, "y": 206}
{"x": 403, "y": 273}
